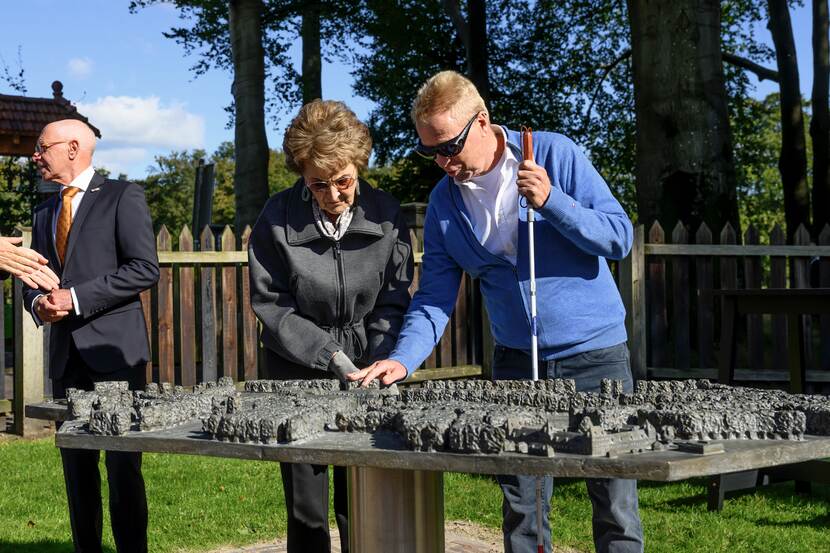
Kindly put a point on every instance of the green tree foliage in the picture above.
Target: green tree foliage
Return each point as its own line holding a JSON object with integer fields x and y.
{"x": 169, "y": 186}
{"x": 559, "y": 65}
{"x": 760, "y": 195}
{"x": 409, "y": 179}
{"x": 18, "y": 193}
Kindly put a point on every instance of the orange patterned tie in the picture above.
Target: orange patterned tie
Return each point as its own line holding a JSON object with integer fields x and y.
{"x": 64, "y": 220}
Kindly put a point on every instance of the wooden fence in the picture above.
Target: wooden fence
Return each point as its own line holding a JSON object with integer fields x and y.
{"x": 673, "y": 321}
{"x": 201, "y": 325}
{"x": 208, "y": 290}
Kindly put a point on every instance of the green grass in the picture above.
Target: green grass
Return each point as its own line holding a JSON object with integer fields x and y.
{"x": 195, "y": 502}
{"x": 199, "y": 503}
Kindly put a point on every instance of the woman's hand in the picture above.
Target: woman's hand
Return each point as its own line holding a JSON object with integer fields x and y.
{"x": 388, "y": 371}
{"x": 341, "y": 366}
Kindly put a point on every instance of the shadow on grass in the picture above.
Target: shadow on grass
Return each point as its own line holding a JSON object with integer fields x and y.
{"x": 44, "y": 546}
{"x": 776, "y": 492}
{"x": 821, "y": 522}
{"x": 691, "y": 482}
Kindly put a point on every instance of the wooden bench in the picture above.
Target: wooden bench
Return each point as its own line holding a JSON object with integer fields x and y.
{"x": 794, "y": 303}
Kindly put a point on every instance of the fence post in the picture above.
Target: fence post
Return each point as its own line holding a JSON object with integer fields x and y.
{"x": 778, "y": 279}
{"x": 5, "y": 405}
{"x": 28, "y": 357}
{"x": 210, "y": 364}
{"x": 230, "y": 342}
{"x": 680, "y": 301}
{"x": 414, "y": 213}
{"x": 824, "y": 320}
{"x": 633, "y": 291}
{"x": 166, "y": 328}
{"x": 187, "y": 313}
{"x": 488, "y": 345}
{"x": 657, "y": 302}
{"x": 704, "y": 277}
{"x": 801, "y": 279}
{"x": 250, "y": 333}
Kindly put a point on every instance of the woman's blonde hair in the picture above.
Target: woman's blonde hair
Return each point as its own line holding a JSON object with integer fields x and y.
{"x": 446, "y": 91}
{"x": 326, "y": 135}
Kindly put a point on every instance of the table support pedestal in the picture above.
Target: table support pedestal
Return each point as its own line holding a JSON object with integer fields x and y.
{"x": 395, "y": 511}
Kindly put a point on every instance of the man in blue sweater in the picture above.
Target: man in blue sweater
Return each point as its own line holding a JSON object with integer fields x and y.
{"x": 477, "y": 222}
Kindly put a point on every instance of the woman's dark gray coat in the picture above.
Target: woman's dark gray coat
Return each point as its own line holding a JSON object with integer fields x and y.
{"x": 315, "y": 296}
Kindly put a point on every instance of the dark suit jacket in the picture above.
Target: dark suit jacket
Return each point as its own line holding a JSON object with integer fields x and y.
{"x": 110, "y": 258}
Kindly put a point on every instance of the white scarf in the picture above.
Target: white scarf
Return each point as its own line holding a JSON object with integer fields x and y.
{"x": 333, "y": 230}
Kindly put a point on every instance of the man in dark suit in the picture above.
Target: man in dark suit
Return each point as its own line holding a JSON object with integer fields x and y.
{"x": 98, "y": 236}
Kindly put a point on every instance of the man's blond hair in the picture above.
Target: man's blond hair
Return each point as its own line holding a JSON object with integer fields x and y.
{"x": 326, "y": 135}
{"x": 447, "y": 91}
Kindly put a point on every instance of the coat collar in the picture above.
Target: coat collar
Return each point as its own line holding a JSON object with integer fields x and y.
{"x": 513, "y": 139}
{"x": 51, "y": 212}
{"x": 301, "y": 227}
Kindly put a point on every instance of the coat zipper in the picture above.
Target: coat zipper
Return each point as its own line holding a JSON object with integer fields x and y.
{"x": 341, "y": 299}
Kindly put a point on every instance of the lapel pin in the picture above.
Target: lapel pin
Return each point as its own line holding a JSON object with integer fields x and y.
{"x": 95, "y": 189}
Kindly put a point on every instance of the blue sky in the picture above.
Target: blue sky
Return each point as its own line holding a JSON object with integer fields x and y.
{"x": 136, "y": 86}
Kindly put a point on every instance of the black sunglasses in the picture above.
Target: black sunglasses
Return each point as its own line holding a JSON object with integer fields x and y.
{"x": 449, "y": 148}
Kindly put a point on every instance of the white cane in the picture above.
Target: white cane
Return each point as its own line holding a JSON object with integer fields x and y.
{"x": 527, "y": 154}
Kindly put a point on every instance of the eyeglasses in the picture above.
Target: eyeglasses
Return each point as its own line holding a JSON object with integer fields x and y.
{"x": 41, "y": 149}
{"x": 341, "y": 183}
{"x": 449, "y": 148}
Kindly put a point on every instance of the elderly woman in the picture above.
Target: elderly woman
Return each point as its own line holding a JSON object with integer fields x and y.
{"x": 330, "y": 265}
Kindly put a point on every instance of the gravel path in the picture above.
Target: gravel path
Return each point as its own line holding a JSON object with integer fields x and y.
{"x": 460, "y": 537}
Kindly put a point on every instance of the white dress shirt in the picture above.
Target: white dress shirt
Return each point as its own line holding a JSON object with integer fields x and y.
{"x": 492, "y": 200}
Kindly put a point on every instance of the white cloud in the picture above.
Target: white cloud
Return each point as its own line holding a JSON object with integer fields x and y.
{"x": 130, "y": 161}
{"x": 80, "y": 68}
{"x": 144, "y": 122}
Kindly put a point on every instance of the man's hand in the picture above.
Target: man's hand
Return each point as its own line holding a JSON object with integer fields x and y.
{"x": 26, "y": 264}
{"x": 61, "y": 298}
{"x": 389, "y": 371}
{"x": 47, "y": 311}
{"x": 533, "y": 183}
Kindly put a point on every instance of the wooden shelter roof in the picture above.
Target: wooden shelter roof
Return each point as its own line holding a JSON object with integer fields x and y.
{"x": 22, "y": 118}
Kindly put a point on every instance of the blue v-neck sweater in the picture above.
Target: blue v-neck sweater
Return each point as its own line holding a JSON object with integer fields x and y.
{"x": 578, "y": 305}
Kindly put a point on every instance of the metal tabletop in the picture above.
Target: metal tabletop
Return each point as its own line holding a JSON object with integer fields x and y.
{"x": 385, "y": 449}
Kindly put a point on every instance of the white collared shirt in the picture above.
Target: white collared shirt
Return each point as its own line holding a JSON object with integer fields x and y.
{"x": 492, "y": 200}
{"x": 82, "y": 182}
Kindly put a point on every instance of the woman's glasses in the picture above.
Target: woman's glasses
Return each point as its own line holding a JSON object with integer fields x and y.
{"x": 342, "y": 183}
{"x": 450, "y": 148}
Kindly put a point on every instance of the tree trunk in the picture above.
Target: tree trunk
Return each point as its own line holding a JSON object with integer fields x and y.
{"x": 684, "y": 164}
{"x": 250, "y": 178}
{"x": 820, "y": 123}
{"x": 792, "y": 163}
{"x": 477, "y": 49}
{"x": 473, "y": 34}
{"x": 312, "y": 60}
